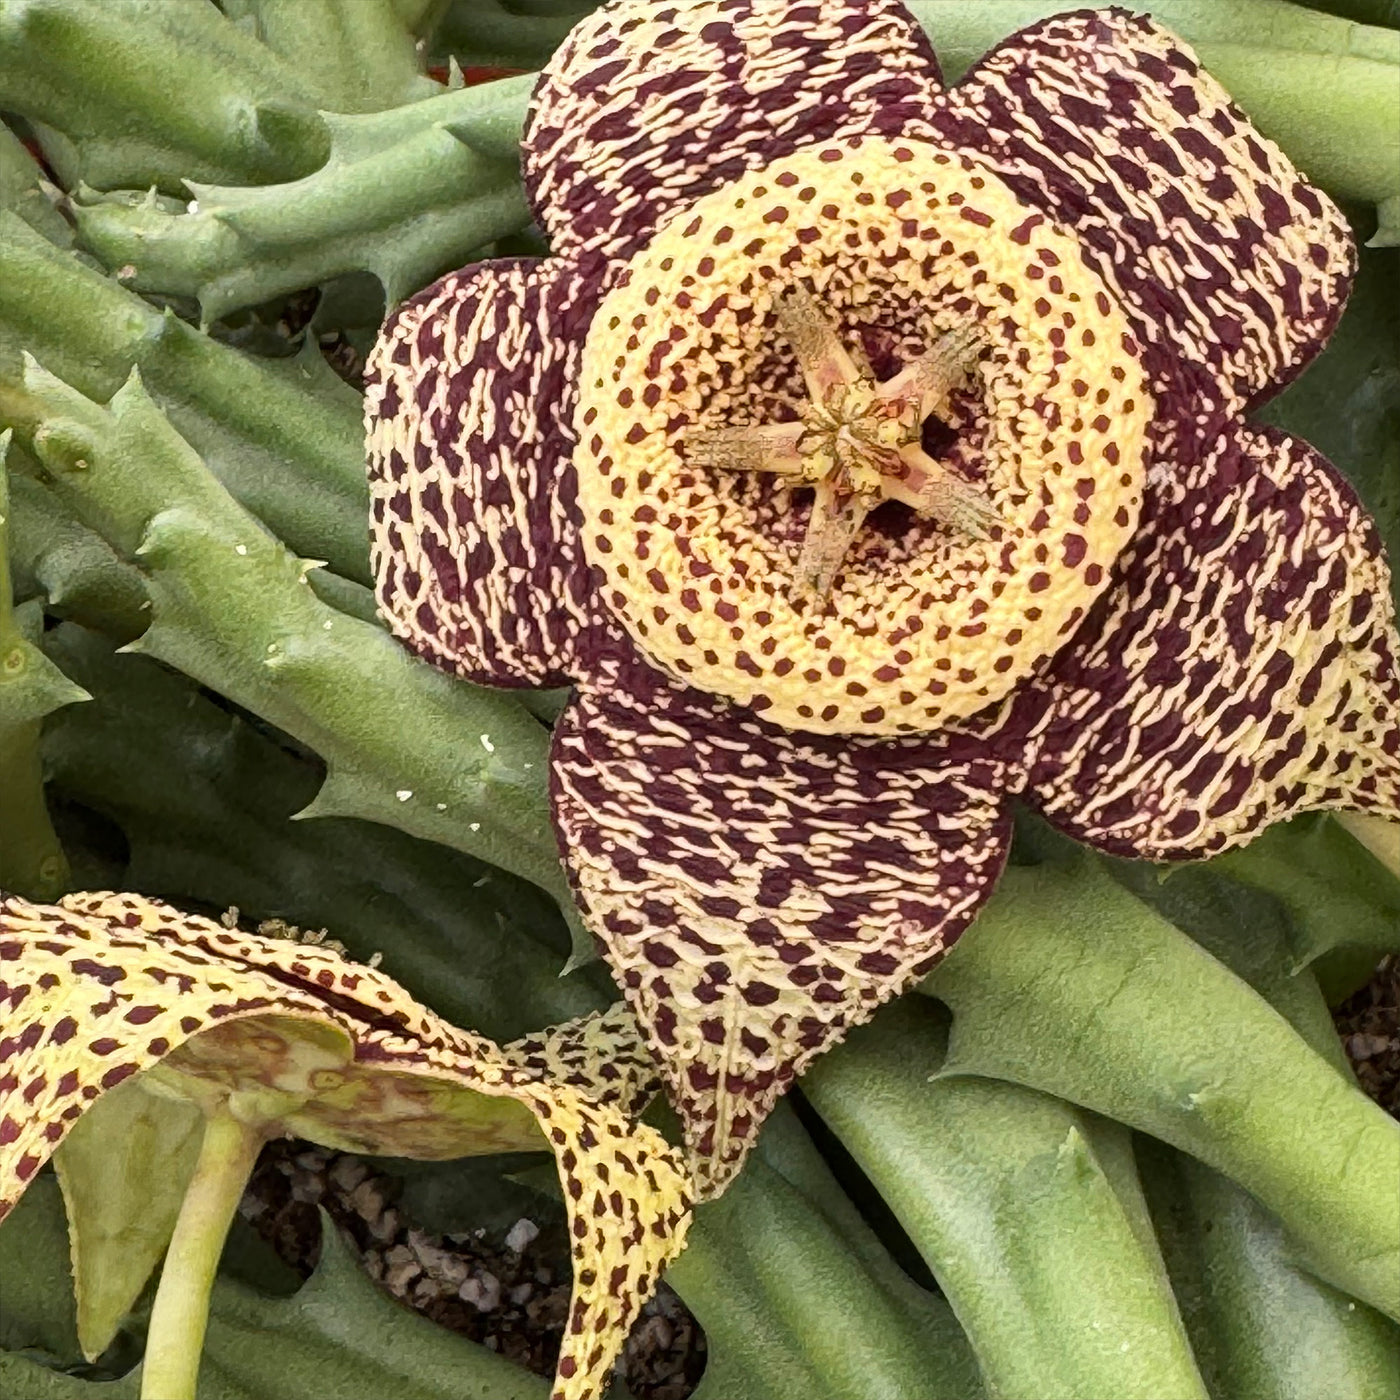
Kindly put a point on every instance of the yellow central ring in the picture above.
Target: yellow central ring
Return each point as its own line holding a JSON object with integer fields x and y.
{"x": 908, "y": 639}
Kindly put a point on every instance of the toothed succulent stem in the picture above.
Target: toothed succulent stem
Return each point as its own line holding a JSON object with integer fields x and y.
{"x": 285, "y": 437}
{"x": 231, "y": 607}
{"x": 32, "y": 861}
{"x": 405, "y": 195}
{"x": 1077, "y": 1301}
{"x": 180, "y": 1315}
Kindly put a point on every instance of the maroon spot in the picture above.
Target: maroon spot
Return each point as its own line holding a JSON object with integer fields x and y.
{"x": 1039, "y": 582}
{"x": 1075, "y": 550}
{"x": 85, "y": 967}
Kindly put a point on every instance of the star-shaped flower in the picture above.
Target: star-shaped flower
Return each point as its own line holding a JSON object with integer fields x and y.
{"x": 272, "y": 1038}
{"x": 1038, "y": 305}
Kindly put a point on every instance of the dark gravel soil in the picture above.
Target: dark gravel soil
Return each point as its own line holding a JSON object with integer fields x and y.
{"x": 1369, "y": 1024}
{"x": 509, "y": 1289}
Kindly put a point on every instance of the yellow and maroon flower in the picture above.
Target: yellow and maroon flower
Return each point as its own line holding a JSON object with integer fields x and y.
{"x": 870, "y": 454}
{"x": 280, "y": 1038}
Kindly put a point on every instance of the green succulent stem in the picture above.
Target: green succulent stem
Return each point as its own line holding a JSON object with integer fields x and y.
{"x": 285, "y": 436}
{"x": 1380, "y": 837}
{"x": 181, "y": 1311}
{"x": 1118, "y": 1010}
{"x": 32, "y": 861}
{"x": 405, "y": 745}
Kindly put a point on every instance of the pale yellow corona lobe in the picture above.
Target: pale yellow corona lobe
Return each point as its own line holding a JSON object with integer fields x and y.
{"x": 923, "y": 623}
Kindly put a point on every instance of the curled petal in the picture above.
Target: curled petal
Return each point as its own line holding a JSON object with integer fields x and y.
{"x": 1227, "y": 259}
{"x": 1242, "y": 667}
{"x": 469, "y": 421}
{"x": 646, "y": 107}
{"x": 759, "y": 892}
{"x": 603, "y": 1054}
{"x": 102, "y": 987}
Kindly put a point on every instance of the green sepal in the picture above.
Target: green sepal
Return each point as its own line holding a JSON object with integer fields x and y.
{"x": 126, "y": 93}
{"x": 123, "y": 1169}
{"x": 285, "y": 436}
{"x": 1336, "y": 894}
{"x": 1027, "y": 1211}
{"x": 404, "y": 744}
{"x": 1116, "y": 1009}
{"x": 398, "y": 197}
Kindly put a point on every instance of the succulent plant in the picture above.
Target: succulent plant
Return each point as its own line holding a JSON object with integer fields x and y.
{"x": 1109, "y": 1145}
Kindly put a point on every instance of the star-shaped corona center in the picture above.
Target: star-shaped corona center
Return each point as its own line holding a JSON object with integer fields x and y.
{"x": 857, "y": 439}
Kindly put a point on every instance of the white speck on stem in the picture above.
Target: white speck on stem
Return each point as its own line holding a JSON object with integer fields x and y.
{"x": 403, "y": 794}
{"x": 442, "y": 806}
{"x": 487, "y": 744}
{"x": 474, "y": 826}
{"x": 240, "y": 549}
{"x": 326, "y": 626}
{"x": 192, "y": 207}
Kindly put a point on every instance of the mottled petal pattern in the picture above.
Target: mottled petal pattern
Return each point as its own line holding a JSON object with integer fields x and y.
{"x": 1229, "y": 261}
{"x": 469, "y": 421}
{"x": 1242, "y": 668}
{"x": 645, "y": 107}
{"x": 603, "y": 1054}
{"x": 103, "y": 986}
{"x": 760, "y": 892}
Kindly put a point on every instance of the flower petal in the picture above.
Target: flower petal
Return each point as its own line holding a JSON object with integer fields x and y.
{"x": 104, "y": 986}
{"x": 603, "y": 1054}
{"x": 1242, "y": 667}
{"x": 1222, "y": 253}
{"x": 759, "y": 892}
{"x": 647, "y": 106}
{"x": 469, "y": 421}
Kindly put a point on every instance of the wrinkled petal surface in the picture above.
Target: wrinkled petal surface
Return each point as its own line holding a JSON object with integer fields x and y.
{"x": 1233, "y": 266}
{"x": 103, "y": 986}
{"x": 645, "y": 107}
{"x": 603, "y": 1054}
{"x": 469, "y": 423}
{"x": 760, "y": 892}
{"x": 1242, "y": 668}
